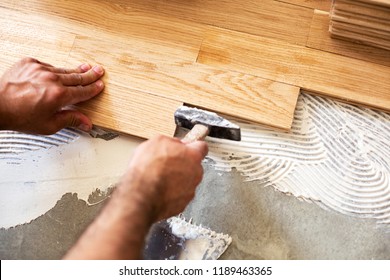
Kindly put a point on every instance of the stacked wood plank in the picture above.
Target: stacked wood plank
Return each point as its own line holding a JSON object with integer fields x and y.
{"x": 364, "y": 21}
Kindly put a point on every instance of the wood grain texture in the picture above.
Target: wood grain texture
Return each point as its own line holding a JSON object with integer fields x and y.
{"x": 366, "y": 22}
{"x": 228, "y": 92}
{"x": 150, "y": 51}
{"x": 130, "y": 111}
{"x": 323, "y": 5}
{"x": 266, "y": 18}
{"x": 31, "y": 36}
{"x": 361, "y": 8}
{"x": 384, "y": 3}
{"x": 320, "y": 72}
{"x": 118, "y": 18}
{"x": 319, "y": 38}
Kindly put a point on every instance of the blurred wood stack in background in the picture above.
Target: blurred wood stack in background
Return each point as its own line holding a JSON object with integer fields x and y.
{"x": 363, "y": 21}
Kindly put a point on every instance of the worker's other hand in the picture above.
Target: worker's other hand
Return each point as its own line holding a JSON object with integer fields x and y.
{"x": 163, "y": 175}
{"x": 36, "y": 97}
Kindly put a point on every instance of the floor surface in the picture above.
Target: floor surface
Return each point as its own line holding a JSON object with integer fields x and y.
{"x": 263, "y": 223}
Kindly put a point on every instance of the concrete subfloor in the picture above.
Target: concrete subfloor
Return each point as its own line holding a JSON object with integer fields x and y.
{"x": 263, "y": 223}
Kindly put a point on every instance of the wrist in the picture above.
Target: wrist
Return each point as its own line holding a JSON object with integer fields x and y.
{"x": 130, "y": 197}
{"x": 119, "y": 230}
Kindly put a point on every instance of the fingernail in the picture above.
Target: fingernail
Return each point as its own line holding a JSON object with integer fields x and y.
{"x": 98, "y": 69}
{"x": 99, "y": 84}
{"x": 85, "y": 67}
{"x": 84, "y": 127}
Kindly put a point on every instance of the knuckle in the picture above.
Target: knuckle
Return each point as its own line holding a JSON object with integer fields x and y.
{"x": 78, "y": 78}
{"x": 37, "y": 68}
{"x": 28, "y": 60}
{"x": 58, "y": 91}
{"x": 50, "y": 76}
{"x": 159, "y": 138}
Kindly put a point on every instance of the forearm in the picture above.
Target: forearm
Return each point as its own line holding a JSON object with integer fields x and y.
{"x": 119, "y": 231}
{"x": 159, "y": 183}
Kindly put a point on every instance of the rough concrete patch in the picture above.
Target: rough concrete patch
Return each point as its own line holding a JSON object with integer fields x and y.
{"x": 50, "y": 235}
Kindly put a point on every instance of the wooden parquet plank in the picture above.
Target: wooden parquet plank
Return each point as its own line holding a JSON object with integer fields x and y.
{"x": 319, "y": 38}
{"x": 384, "y": 3}
{"x": 323, "y": 5}
{"x": 267, "y": 18}
{"x": 365, "y": 22}
{"x": 160, "y": 18}
{"x": 40, "y": 37}
{"x": 232, "y": 93}
{"x": 24, "y": 35}
{"x": 324, "y": 73}
{"x": 118, "y": 18}
{"x": 132, "y": 112}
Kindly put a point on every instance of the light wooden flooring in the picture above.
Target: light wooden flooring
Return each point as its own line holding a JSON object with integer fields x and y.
{"x": 247, "y": 59}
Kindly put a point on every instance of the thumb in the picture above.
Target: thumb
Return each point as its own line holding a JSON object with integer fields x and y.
{"x": 72, "y": 118}
{"x": 198, "y": 149}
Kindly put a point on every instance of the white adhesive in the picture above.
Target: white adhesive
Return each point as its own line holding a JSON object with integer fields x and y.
{"x": 337, "y": 155}
{"x": 32, "y": 181}
{"x": 200, "y": 243}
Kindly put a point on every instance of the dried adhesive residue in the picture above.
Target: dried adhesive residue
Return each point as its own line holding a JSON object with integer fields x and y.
{"x": 337, "y": 155}
{"x": 36, "y": 171}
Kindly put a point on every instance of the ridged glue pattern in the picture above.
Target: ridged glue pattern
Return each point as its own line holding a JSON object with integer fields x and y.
{"x": 13, "y": 144}
{"x": 337, "y": 155}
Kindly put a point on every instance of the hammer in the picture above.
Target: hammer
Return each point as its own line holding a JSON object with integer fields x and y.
{"x": 203, "y": 123}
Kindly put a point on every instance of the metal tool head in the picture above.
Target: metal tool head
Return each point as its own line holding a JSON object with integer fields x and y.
{"x": 219, "y": 127}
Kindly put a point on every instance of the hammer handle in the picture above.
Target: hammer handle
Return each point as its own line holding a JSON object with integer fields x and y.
{"x": 198, "y": 132}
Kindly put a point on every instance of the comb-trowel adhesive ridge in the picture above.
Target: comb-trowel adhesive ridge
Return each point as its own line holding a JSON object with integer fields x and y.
{"x": 336, "y": 155}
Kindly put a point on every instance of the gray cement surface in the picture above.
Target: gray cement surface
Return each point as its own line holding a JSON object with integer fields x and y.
{"x": 263, "y": 223}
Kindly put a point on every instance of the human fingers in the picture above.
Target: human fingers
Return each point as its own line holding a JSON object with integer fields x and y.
{"x": 28, "y": 60}
{"x": 197, "y": 149}
{"x": 43, "y": 63}
{"x": 71, "y": 118}
{"x": 80, "y": 69}
{"x": 76, "y": 94}
{"x": 82, "y": 79}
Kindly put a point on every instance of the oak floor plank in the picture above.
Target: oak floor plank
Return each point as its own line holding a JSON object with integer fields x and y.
{"x": 24, "y": 35}
{"x": 269, "y": 18}
{"x": 384, "y": 3}
{"x": 323, "y": 5}
{"x": 118, "y": 18}
{"x": 365, "y": 22}
{"x": 324, "y": 73}
{"x": 34, "y": 36}
{"x": 319, "y": 38}
{"x": 132, "y": 112}
{"x": 228, "y": 92}
{"x": 361, "y": 8}
{"x": 266, "y": 18}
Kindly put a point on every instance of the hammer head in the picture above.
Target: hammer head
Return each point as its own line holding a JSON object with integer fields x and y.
{"x": 219, "y": 127}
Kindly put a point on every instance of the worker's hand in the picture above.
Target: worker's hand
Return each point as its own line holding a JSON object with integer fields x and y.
{"x": 35, "y": 97}
{"x": 163, "y": 175}
{"x": 159, "y": 183}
